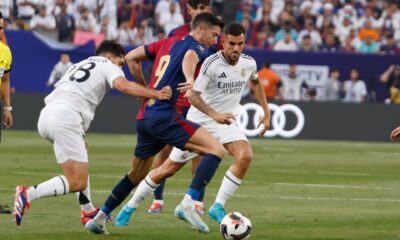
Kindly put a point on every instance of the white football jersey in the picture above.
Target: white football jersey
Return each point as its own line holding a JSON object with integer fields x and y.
{"x": 222, "y": 85}
{"x": 84, "y": 85}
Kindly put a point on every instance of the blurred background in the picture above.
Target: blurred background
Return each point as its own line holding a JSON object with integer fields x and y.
{"x": 342, "y": 55}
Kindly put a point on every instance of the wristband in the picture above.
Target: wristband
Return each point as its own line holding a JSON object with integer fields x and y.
{"x": 7, "y": 109}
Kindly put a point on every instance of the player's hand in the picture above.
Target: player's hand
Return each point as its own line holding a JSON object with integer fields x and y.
{"x": 395, "y": 134}
{"x": 264, "y": 124}
{"x": 224, "y": 118}
{"x": 186, "y": 88}
{"x": 165, "y": 93}
{"x": 7, "y": 119}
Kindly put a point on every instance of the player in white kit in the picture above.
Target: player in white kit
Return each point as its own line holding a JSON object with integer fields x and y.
{"x": 215, "y": 99}
{"x": 67, "y": 116}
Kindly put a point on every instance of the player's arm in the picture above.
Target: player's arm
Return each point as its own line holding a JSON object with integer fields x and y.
{"x": 262, "y": 99}
{"x": 134, "y": 61}
{"x": 5, "y": 98}
{"x": 134, "y": 89}
{"x": 189, "y": 64}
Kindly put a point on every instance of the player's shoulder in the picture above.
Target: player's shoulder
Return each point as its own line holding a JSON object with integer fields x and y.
{"x": 212, "y": 60}
{"x": 247, "y": 57}
{"x": 182, "y": 30}
{"x": 248, "y": 60}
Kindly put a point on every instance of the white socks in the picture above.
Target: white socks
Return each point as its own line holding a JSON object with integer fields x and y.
{"x": 228, "y": 187}
{"x": 188, "y": 202}
{"x": 145, "y": 188}
{"x": 54, "y": 187}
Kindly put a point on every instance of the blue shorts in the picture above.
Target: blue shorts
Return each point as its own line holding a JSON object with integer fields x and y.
{"x": 155, "y": 133}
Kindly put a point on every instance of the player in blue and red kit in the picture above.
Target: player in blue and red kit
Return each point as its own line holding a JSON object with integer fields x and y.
{"x": 194, "y": 7}
{"x": 159, "y": 124}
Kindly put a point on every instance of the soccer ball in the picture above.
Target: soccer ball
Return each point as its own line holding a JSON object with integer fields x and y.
{"x": 235, "y": 226}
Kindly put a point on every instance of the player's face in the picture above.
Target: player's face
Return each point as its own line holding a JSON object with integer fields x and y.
{"x": 210, "y": 35}
{"x": 233, "y": 46}
{"x": 201, "y": 8}
{"x": 1, "y": 28}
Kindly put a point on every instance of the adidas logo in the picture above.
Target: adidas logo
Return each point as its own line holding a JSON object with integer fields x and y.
{"x": 223, "y": 75}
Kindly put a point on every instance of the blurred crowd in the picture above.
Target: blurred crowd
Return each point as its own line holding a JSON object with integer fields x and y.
{"x": 364, "y": 26}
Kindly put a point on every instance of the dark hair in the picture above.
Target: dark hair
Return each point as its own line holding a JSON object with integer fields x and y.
{"x": 195, "y": 3}
{"x": 208, "y": 19}
{"x": 234, "y": 29}
{"x": 267, "y": 64}
{"x": 1, "y": 15}
{"x": 108, "y": 46}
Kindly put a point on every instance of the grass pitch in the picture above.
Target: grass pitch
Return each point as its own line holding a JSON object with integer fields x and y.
{"x": 295, "y": 189}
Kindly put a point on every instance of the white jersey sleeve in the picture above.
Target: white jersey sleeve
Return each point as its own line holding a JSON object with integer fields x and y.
{"x": 254, "y": 74}
{"x": 111, "y": 72}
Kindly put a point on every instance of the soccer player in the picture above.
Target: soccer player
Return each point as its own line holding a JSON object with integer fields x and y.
{"x": 67, "y": 116}
{"x": 159, "y": 124}
{"x": 5, "y": 67}
{"x": 216, "y": 93}
{"x": 194, "y": 8}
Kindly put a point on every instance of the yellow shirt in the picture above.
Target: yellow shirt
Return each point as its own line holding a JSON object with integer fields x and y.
{"x": 5, "y": 60}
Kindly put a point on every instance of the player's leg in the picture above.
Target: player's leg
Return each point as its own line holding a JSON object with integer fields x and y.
{"x": 63, "y": 128}
{"x": 199, "y": 205}
{"x": 158, "y": 201}
{"x": 204, "y": 143}
{"x": 242, "y": 153}
{"x": 147, "y": 146}
{"x": 174, "y": 163}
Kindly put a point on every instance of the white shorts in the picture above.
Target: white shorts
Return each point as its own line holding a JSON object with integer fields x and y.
{"x": 64, "y": 128}
{"x": 222, "y": 132}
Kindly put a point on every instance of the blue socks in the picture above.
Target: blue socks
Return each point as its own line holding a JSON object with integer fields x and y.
{"x": 204, "y": 173}
{"x": 118, "y": 195}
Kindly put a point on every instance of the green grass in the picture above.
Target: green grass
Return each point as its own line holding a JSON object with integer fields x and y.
{"x": 295, "y": 189}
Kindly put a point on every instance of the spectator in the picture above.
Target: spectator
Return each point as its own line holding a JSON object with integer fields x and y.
{"x": 292, "y": 85}
{"x": 43, "y": 22}
{"x": 390, "y": 47}
{"x": 286, "y": 44}
{"x": 368, "y": 45}
{"x": 6, "y": 8}
{"x": 86, "y": 22}
{"x": 306, "y": 45}
{"x": 65, "y": 24}
{"x": 26, "y": 9}
{"x": 391, "y": 77}
{"x": 171, "y": 19}
{"x": 331, "y": 87}
{"x": 355, "y": 90}
{"x": 125, "y": 34}
{"x": 109, "y": 31}
{"x": 344, "y": 27}
{"x": 348, "y": 46}
{"x": 330, "y": 44}
{"x": 312, "y": 32}
{"x": 270, "y": 80}
{"x": 163, "y": 6}
{"x": 368, "y": 30}
{"x": 305, "y": 14}
{"x": 59, "y": 69}
{"x": 327, "y": 17}
{"x": 287, "y": 27}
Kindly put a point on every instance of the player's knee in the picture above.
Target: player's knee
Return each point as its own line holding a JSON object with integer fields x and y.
{"x": 76, "y": 183}
{"x": 218, "y": 150}
{"x": 244, "y": 160}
